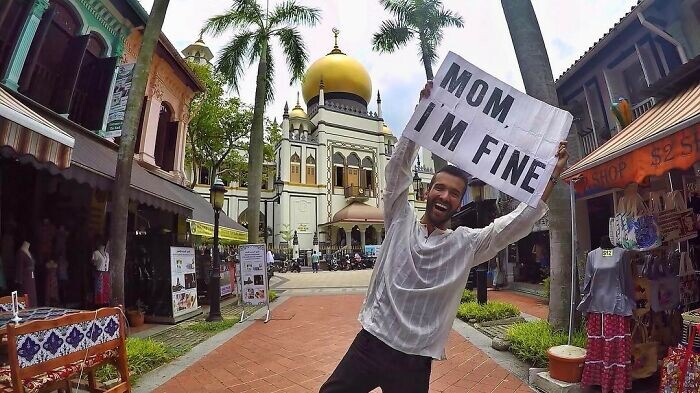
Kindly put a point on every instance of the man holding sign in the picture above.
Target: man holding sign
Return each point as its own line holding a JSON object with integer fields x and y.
{"x": 423, "y": 266}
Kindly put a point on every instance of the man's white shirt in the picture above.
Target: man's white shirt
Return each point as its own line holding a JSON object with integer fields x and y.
{"x": 418, "y": 279}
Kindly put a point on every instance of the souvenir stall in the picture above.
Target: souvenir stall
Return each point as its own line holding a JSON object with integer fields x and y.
{"x": 650, "y": 258}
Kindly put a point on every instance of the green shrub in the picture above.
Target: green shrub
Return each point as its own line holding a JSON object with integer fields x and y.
{"x": 546, "y": 286}
{"x": 530, "y": 341}
{"x": 144, "y": 355}
{"x": 272, "y": 295}
{"x": 468, "y": 296}
{"x": 211, "y": 327}
{"x": 490, "y": 311}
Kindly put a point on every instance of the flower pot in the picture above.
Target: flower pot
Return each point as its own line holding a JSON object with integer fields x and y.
{"x": 566, "y": 363}
{"x": 135, "y": 317}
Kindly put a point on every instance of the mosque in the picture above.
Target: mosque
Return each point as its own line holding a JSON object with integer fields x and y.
{"x": 329, "y": 167}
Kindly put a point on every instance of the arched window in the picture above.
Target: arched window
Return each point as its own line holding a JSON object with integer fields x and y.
{"x": 310, "y": 170}
{"x": 353, "y": 170}
{"x": 66, "y": 71}
{"x": 166, "y": 138}
{"x": 338, "y": 170}
{"x": 341, "y": 237}
{"x": 367, "y": 178}
{"x": 295, "y": 164}
{"x": 203, "y": 175}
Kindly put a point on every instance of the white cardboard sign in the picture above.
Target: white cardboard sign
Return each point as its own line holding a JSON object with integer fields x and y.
{"x": 490, "y": 129}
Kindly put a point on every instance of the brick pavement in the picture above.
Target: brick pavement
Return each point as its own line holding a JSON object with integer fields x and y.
{"x": 300, "y": 347}
{"x": 528, "y": 304}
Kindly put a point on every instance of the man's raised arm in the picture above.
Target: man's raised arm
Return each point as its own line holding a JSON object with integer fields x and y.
{"x": 398, "y": 180}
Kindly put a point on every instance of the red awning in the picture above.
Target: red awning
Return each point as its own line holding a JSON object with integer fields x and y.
{"x": 666, "y": 137}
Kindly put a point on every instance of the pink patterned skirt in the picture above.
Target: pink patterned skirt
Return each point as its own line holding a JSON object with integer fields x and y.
{"x": 102, "y": 288}
{"x": 608, "y": 353}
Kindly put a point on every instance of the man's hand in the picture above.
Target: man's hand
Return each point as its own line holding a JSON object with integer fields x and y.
{"x": 425, "y": 93}
{"x": 563, "y": 157}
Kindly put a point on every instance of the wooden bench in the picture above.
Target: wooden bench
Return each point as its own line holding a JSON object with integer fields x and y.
{"x": 45, "y": 355}
{"x": 6, "y": 303}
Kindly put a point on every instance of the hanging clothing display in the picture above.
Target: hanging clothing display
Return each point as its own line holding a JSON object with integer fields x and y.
{"x": 100, "y": 258}
{"x": 607, "y": 299}
{"x": 25, "y": 275}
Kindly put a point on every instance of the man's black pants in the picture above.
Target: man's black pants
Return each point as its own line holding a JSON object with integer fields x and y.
{"x": 369, "y": 363}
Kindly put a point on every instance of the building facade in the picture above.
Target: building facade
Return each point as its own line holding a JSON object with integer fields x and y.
{"x": 329, "y": 167}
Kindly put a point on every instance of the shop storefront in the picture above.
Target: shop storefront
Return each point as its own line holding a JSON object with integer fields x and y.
{"x": 640, "y": 192}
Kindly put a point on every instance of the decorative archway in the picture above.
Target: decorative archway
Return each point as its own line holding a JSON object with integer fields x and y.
{"x": 356, "y": 237}
{"x": 243, "y": 220}
{"x": 341, "y": 238}
{"x": 371, "y": 235}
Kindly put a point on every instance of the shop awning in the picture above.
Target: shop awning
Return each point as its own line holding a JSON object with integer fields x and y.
{"x": 27, "y": 133}
{"x": 202, "y": 219}
{"x": 666, "y": 137}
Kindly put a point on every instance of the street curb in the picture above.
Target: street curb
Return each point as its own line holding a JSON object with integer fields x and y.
{"x": 483, "y": 343}
{"x": 152, "y": 380}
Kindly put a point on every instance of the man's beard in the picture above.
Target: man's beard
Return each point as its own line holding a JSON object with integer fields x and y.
{"x": 438, "y": 217}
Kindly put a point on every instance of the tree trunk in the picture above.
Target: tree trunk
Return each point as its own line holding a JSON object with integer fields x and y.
{"x": 438, "y": 162}
{"x": 255, "y": 149}
{"x": 539, "y": 83}
{"x": 120, "y": 191}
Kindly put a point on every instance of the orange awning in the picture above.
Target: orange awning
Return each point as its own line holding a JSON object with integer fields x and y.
{"x": 666, "y": 137}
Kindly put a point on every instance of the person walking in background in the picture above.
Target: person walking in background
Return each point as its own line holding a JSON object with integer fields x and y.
{"x": 315, "y": 257}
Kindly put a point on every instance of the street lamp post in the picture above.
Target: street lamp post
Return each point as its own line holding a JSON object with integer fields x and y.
{"x": 476, "y": 187}
{"x": 216, "y": 196}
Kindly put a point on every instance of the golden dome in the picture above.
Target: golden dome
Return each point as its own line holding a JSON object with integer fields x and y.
{"x": 359, "y": 212}
{"x": 298, "y": 112}
{"x": 340, "y": 74}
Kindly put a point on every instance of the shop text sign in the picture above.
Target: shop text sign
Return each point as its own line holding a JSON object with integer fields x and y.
{"x": 490, "y": 129}
{"x": 676, "y": 151}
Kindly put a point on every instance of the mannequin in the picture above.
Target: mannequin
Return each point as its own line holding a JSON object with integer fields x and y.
{"x": 44, "y": 235}
{"x": 25, "y": 273}
{"x": 608, "y": 300}
{"x": 51, "y": 283}
{"x": 100, "y": 260}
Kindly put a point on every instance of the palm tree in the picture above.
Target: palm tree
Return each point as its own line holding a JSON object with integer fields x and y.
{"x": 125, "y": 159}
{"x": 421, "y": 19}
{"x": 539, "y": 83}
{"x": 254, "y": 29}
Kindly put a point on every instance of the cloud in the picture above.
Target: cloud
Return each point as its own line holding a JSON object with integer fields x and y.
{"x": 484, "y": 41}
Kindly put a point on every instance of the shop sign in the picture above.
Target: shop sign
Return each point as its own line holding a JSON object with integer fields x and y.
{"x": 183, "y": 280}
{"x": 372, "y": 251}
{"x": 679, "y": 150}
{"x": 207, "y": 230}
{"x": 120, "y": 96}
{"x": 490, "y": 129}
{"x": 253, "y": 273}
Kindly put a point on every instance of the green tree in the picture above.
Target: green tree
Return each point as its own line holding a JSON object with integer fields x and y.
{"x": 254, "y": 29}
{"x": 423, "y": 20}
{"x": 539, "y": 83}
{"x": 125, "y": 158}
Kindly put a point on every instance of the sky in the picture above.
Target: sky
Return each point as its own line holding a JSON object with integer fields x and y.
{"x": 569, "y": 28}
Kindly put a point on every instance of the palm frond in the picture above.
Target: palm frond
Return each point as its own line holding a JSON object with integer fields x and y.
{"x": 428, "y": 50}
{"x": 242, "y": 14}
{"x": 391, "y": 36}
{"x": 233, "y": 55}
{"x": 294, "y": 14}
{"x": 401, "y": 9}
{"x": 294, "y": 51}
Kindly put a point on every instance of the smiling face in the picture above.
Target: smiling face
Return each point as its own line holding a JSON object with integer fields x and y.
{"x": 444, "y": 197}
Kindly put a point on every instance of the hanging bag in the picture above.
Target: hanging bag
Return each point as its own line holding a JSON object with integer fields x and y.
{"x": 680, "y": 371}
{"x": 642, "y": 225}
{"x": 642, "y": 291}
{"x": 644, "y": 353}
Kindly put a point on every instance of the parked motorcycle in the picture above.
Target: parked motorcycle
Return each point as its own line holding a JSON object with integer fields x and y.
{"x": 295, "y": 267}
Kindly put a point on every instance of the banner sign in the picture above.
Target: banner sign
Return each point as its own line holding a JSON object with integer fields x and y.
{"x": 183, "y": 280}
{"x": 207, "y": 230}
{"x": 253, "y": 273}
{"x": 372, "y": 251}
{"x": 120, "y": 96}
{"x": 490, "y": 129}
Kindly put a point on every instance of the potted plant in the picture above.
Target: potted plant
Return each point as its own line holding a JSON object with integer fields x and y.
{"x": 137, "y": 314}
